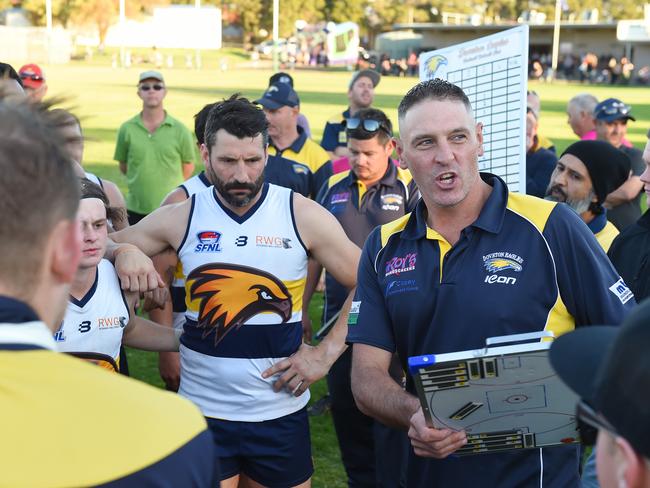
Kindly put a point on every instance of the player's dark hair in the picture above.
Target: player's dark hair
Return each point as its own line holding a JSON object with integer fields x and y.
{"x": 8, "y": 72}
{"x": 436, "y": 89}
{"x": 38, "y": 189}
{"x": 237, "y": 116}
{"x": 383, "y": 135}
{"x": 200, "y": 120}
{"x": 90, "y": 189}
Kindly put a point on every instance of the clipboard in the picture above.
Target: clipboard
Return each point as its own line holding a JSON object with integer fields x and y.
{"x": 505, "y": 396}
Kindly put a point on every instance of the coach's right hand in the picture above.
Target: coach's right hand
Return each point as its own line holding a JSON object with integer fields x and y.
{"x": 430, "y": 442}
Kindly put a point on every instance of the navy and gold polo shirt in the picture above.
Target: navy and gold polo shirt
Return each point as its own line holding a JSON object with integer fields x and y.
{"x": 290, "y": 174}
{"x": 305, "y": 151}
{"x": 334, "y": 134}
{"x": 66, "y": 422}
{"x": 524, "y": 265}
{"x": 359, "y": 210}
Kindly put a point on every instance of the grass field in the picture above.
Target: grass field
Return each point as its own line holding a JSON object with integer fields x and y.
{"x": 105, "y": 97}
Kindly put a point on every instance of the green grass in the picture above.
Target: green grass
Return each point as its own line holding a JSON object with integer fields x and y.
{"x": 105, "y": 97}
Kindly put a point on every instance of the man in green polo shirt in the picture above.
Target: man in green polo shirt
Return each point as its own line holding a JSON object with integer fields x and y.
{"x": 155, "y": 151}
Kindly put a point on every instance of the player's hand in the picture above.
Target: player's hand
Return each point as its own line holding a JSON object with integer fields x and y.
{"x": 169, "y": 366}
{"x": 155, "y": 299}
{"x": 430, "y": 442}
{"x": 306, "y": 328}
{"x": 307, "y": 365}
{"x": 136, "y": 270}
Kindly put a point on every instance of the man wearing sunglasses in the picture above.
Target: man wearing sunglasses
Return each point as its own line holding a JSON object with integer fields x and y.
{"x": 373, "y": 192}
{"x": 611, "y": 117}
{"x": 609, "y": 368}
{"x": 33, "y": 82}
{"x": 155, "y": 150}
{"x": 472, "y": 261}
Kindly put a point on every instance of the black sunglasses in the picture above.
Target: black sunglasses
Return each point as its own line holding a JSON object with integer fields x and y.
{"x": 149, "y": 87}
{"x": 615, "y": 108}
{"x": 590, "y": 422}
{"x": 33, "y": 77}
{"x": 369, "y": 125}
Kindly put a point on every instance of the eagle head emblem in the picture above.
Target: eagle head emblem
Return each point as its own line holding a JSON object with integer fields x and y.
{"x": 433, "y": 64}
{"x": 501, "y": 264}
{"x": 230, "y": 295}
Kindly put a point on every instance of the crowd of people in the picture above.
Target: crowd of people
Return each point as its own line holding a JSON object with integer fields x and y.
{"x": 227, "y": 261}
{"x": 588, "y": 68}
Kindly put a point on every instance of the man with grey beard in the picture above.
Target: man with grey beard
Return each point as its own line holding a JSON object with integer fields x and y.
{"x": 585, "y": 174}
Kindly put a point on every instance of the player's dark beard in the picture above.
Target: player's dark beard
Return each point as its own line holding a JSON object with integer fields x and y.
{"x": 224, "y": 189}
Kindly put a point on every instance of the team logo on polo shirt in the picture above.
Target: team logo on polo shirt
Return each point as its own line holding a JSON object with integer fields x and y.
{"x": 299, "y": 169}
{"x": 401, "y": 264}
{"x": 340, "y": 198}
{"x": 502, "y": 261}
{"x": 391, "y": 201}
{"x": 209, "y": 241}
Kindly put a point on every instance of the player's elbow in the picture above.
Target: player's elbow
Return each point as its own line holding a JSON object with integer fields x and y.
{"x": 360, "y": 389}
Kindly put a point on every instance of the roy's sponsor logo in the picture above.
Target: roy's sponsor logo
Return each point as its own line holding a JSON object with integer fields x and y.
{"x": 403, "y": 264}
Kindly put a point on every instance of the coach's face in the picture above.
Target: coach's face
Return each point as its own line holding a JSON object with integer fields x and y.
{"x": 236, "y": 167}
{"x": 440, "y": 143}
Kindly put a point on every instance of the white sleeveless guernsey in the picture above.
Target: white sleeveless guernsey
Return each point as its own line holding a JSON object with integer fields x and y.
{"x": 96, "y": 322}
{"x": 245, "y": 280}
{"x": 193, "y": 185}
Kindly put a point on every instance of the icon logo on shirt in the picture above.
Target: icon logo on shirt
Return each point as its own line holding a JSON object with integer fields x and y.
{"x": 209, "y": 241}
{"x": 398, "y": 265}
{"x": 391, "y": 201}
{"x": 502, "y": 261}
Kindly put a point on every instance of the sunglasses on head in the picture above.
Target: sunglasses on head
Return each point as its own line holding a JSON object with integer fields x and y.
{"x": 590, "y": 422}
{"x": 369, "y": 125}
{"x": 156, "y": 87}
{"x": 30, "y": 76}
{"x": 615, "y": 108}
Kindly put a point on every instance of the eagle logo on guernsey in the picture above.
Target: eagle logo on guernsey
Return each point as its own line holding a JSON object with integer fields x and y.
{"x": 231, "y": 294}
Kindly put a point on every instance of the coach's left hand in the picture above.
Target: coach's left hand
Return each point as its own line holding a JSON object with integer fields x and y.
{"x": 306, "y": 366}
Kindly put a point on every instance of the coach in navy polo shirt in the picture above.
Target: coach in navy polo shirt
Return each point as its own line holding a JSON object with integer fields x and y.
{"x": 374, "y": 192}
{"x": 472, "y": 261}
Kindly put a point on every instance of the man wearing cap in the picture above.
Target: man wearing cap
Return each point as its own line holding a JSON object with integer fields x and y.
{"x": 155, "y": 150}
{"x": 373, "y": 192}
{"x": 282, "y": 106}
{"x": 33, "y": 82}
{"x": 630, "y": 251}
{"x": 585, "y": 174}
{"x": 282, "y": 77}
{"x": 611, "y": 117}
{"x": 361, "y": 94}
{"x": 609, "y": 368}
{"x": 540, "y": 162}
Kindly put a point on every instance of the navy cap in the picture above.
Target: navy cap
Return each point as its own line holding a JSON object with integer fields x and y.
{"x": 280, "y": 77}
{"x": 609, "y": 367}
{"x": 279, "y": 95}
{"x": 612, "y": 109}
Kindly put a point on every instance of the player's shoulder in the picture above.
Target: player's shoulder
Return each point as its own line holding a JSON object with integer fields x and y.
{"x": 316, "y": 152}
{"x": 337, "y": 179}
{"x": 336, "y": 119}
{"x": 405, "y": 176}
{"x": 532, "y": 209}
{"x": 390, "y": 230}
{"x": 80, "y": 404}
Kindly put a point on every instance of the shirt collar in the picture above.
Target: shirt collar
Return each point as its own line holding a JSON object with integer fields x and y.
{"x": 19, "y": 324}
{"x": 598, "y": 223}
{"x": 346, "y": 114}
{"x": 297, "y": 145}
{"x": 166, "y": 121}
{"x": 490, "y": 219}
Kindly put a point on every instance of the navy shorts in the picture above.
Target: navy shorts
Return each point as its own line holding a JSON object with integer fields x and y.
{"x": 275, "y": 453}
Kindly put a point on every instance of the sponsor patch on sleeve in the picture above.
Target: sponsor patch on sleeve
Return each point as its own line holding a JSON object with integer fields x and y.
{"x": 621, "y": 290}
{"x": 354, "y": 313}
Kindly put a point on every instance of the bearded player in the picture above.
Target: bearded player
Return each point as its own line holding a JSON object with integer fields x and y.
{"x": 244, "y": 245}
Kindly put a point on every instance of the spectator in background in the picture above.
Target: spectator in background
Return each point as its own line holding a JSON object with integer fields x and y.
{"x": 412, "y": 63}
{"x": 33, "y": 82}
{"x": 585, "y": 174}
{"x": 534, "y": 103}
{"x": 630, "y": 251}
{"x": 580, "y": 111}
{"x": 282, "y": 77}
{"x": 361, "y": 94}
{"x": 611, "y": 117}
{"x": 540, "y": 162}
{"x": 155, "y": 151}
